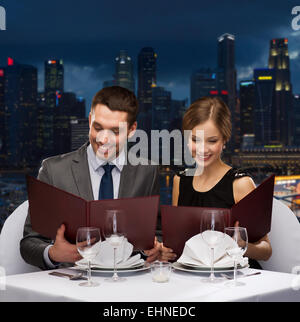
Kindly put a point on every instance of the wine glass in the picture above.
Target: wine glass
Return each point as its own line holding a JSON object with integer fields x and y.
{"x": 237, "y": 249}
{"x": 212, "y": 231}
{"x": 114, "y": 234}
{"x": 88, "y": 242}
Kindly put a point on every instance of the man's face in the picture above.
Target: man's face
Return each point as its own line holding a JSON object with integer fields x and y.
{"x": 108, "y": 131}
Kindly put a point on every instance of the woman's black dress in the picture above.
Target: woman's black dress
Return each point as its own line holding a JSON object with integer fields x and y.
{"x": 220, "y": 196}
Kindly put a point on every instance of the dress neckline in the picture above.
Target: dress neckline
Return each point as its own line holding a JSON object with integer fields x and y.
{"x": 203, "y": 192}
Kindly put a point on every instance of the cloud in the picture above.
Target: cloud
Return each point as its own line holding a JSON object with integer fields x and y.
{"x": 294, "y": 54}
{"x": 184, "y": 35}
{"x": 244, "y": 73}
{"x": 180, "y": 89}
{"x": 86, "y": 80}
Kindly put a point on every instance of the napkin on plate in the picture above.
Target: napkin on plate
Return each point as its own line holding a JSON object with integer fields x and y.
{"x": 197, "y": 252}
{"x": 105, "y": 257}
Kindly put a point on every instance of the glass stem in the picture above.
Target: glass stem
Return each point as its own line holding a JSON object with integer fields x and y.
{"x": 234, "y": 272}
{"x": 115, "y": 277}
{"x": 212, "y": 275}
{"x": 89, "y": 273}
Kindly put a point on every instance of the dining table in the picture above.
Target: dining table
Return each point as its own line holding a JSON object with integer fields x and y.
{"x": 183, "y": 286}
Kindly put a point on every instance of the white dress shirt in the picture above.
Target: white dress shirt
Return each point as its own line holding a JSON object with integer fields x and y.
{"x": 96, "y": 173}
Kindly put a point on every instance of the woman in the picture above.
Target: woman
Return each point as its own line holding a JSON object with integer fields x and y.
{"x": 214, "y": 184}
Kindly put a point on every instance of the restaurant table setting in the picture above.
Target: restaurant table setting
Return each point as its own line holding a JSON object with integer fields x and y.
{"x": 105, "y": 260}
{"x": 181, "y": 281}
{"x": 139, "y": 287}
{"x": 196, "y": 253}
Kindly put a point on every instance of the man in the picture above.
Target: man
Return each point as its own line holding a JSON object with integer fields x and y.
{"x": 97, "y": 170}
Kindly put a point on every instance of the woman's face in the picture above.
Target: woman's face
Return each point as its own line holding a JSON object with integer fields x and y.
{"x": 206, "y": 143}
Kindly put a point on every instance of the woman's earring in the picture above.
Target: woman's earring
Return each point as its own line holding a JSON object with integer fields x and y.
{"x": 224, "y": 146}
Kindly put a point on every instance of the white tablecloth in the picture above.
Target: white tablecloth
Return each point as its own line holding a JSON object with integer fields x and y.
{"x": 139, "y": 287}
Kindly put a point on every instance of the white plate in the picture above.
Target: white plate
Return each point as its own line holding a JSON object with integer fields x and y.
{"x": 98, "y": 269}
{"x": 84, "y": 264}
{"x": 193, "y": 269}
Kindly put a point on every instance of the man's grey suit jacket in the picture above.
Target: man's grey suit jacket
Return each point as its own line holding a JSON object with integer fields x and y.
{"x": 70, "y": 172}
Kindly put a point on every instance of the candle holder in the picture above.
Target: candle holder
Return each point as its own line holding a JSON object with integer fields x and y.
{"x": 161, "y": 271}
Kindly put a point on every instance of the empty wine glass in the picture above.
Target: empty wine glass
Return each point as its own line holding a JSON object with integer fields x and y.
{"x": 88, "y": 242}
{"x": 237, "y": 249}
{"x": 212, "y": 231}
{"x": 114, "y": 235}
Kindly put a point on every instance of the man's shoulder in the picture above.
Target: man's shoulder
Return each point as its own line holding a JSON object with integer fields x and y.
{"x": 61, "y": 158}
{"x": 66, "y": 157}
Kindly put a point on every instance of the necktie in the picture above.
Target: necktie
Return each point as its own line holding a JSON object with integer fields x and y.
{"x": 106, "y": 190}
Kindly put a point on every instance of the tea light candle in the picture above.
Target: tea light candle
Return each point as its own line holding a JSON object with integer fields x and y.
{"x": 160, "y": 277}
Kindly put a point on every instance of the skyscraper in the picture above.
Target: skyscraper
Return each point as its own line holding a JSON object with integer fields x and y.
{"x": 203, "y": 82}
{"x": 54, "y": 83}
{"x": 161, "y": 108}
{"x": 2, "y": 117}
{"x": 226, "y": 67}
{"x": 61, "y": 125}
{"x": 79, "y": 132}
{"x": 227, "y": 79}
{"x": 20, "y": 114}
{"x": 41, "y": 108}
{"x": 68, "y": 108}
{"x": 146, "y": 82}
{"x": 178, "y": 108}
{"x": 247, "y": 106}
{"x": 54, "y": 76}
{"x": 282, "y": 114}
{"x": 296, "y": 120}
{"x": 264, "y": 105}
{"x": 124, "y": 71}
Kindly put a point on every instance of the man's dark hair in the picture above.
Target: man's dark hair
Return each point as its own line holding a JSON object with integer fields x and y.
{"x": 117, "y": 98}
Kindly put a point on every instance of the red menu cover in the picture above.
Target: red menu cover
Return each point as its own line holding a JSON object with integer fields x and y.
{"x": 254, "y": 212}
{"x": 50, "y": 207}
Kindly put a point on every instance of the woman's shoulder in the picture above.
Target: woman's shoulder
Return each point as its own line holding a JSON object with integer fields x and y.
{"x": 237, "y": 173}
{"x": 183, "y": 179}
{"x": 183, "y": 175}
{"x": 243, "y": 184}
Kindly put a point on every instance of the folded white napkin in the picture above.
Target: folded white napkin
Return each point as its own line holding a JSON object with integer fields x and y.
{"x": 197, "y": 252}
{"x": 105, "y": 257}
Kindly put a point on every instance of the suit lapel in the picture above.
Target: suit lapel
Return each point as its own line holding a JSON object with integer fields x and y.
{"x": 81, "y": 174}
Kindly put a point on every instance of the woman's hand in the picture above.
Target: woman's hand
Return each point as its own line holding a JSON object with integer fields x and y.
{"x": 260, "y": 250}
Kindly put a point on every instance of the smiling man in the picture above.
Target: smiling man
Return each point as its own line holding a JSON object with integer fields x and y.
{"x": 97, "y": 170}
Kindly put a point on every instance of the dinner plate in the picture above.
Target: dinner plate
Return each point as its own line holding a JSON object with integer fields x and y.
{"x": 208, "y": 267}
{"x": 197, "y": 269}
{"x": 135, "y": 268}
{"x": 84, "y": 264}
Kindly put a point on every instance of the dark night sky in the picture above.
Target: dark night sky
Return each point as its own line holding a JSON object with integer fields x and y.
{"x": 88, "y": 34}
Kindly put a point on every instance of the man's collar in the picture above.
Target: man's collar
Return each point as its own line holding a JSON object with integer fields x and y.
{"x": 97, "y": 162}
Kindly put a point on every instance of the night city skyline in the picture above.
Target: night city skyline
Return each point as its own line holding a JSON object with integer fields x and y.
{"x": 60, "y": 54}
{"x": 184, "y": 36}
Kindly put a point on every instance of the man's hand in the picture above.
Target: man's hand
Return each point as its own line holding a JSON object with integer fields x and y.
{"x": 153, "y": 254}
{"x": 166, "y": 254}
{"x": 62, "y": 251}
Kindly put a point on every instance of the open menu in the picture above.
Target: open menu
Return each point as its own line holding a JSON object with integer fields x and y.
{"x": 254, "y": 212}
{"x": 50, "y": 207}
